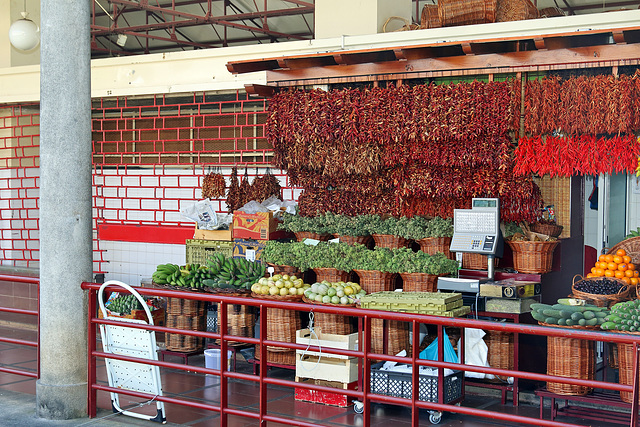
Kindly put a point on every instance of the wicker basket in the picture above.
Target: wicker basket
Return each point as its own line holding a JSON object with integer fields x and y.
{"x": 500, "y": 351}
{"x": 397, "y": 336}
{"x": 570, "y": 357}
{"x": 430, "y": 17}
{"x": 553, "y": 230}
{"x": 301, "y": 235}
{"x": 433, "y": 245}
{"x": 631, "y": 247}
{"x": 329, "y": 323}
{"x": 550, "y": 12}
{"x": 284, "y": 269}
{"x": 515, "y": 10}
{"x": 390, "y": 241}
{"x": 466, "y": 12}
{"x": 189, "y": 315}
{"x": 331, "y": 275}
{"x": 363, "y": 240}
{"x": 532, "y": 257}
{"x": 600, "y": 300}
{"x": 241, "y": 321}
{"x": 473, "y": 261}
{"x": 282, "y": 326}
{"x": 375, "y": 281}
{"x": 286, "y": 358}
{"x": 626, "y": 355}
{"x": 420, "y": 282}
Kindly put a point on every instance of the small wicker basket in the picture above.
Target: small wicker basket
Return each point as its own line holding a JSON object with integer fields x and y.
{"x": 430, "y": 17}
{"x": 474, "y": 261}
{"x": 433, "y": 245}
{"x": 420, "y": 282}
{"x": 597, "y": 299}
{"x": 390, "y": 241}
{"x": 515, "y": 10}
{"x": 553, "y": 230}
{"x": 375, "y": 281}
{"x": 500, "y": 351}
{"x": 532, "y": 256}
{"x": 284, "y": 269}
{"x": 573, "y": 358}
{"x": 189, "y": 315}
{"x": 466, "y": 12}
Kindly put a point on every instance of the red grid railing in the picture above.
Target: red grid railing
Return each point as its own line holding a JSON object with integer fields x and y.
{"x": 364, "y": 353}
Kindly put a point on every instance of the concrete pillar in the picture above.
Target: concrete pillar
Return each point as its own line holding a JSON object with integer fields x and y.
{"x": 335, "y": 18}
{"x": 65, "y": 207}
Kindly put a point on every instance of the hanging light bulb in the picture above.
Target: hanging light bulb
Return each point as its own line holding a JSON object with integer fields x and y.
{"x": 24, "y": 34}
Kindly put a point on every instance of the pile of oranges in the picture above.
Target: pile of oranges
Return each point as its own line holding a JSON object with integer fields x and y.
{"x": 616, "y": 265}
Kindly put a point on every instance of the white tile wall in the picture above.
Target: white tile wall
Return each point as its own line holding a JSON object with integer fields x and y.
{"x": 131, "y": 262}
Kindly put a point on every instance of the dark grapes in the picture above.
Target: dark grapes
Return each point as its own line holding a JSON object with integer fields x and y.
{"x": 602, "y": 286}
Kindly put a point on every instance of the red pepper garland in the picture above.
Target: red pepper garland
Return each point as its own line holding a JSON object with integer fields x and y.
{"x": 579, "y": 155}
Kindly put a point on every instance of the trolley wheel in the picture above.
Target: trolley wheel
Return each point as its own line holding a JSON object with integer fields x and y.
{"x": 358, "y": 407}
{"x": 435, "y": 417}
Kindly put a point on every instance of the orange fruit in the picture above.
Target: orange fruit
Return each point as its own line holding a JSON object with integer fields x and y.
{"x": 626, "y": 258}
{"x": 621, "y": 252}
{"x": 623, "y": 267}
{"x": 599, "y": 272}
{"x": 635, "y": 273}
{"x": 593, "y": 270}
{"x": 604, "y": 265}
{"x": 634, "y": 281}
{"x": 626, "y": 280}
{"x": 608, "y": 258}
{"x": 631, "y": 266}
{"x": 628, "y": 273}
{"x": 618, "y": 274}
{"x": 589, "y": 275}
{"x": 617, "y": 259}
{"x": 612, "y": 266}
{"x": 609, "y": 273}
{"x": 601, "y": 258}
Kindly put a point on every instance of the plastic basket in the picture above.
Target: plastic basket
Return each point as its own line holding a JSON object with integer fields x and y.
{"x": 399, "y": 384}
{"x": 199, "y": 251}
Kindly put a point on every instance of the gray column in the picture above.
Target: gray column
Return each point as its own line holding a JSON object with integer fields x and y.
{"x": 65, "y": 207}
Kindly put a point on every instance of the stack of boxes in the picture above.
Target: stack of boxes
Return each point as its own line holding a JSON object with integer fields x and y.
{"x": 251, "y": 233}
{"x": 509, "y": 296}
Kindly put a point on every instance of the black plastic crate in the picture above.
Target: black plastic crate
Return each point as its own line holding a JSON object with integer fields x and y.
{"x": 398, "y": 384}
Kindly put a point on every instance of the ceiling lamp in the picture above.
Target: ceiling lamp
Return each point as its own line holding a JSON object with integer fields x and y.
{"x": 24, "y": 34}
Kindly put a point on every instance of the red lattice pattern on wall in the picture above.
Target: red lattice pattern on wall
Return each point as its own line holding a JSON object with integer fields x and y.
{"x": 150, "y": 156}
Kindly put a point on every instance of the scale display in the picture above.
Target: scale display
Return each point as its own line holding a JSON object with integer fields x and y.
{"x": 477, "y": 229}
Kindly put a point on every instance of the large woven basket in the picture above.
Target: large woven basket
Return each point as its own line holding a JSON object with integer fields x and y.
{"x": 282, "y": 326}
{"x": 397, "y": 336}
{"x": 433, "y": 245}
{"x": 597, "y": 299}
{"x": 532, "y": 257}
{"x": 375, "y": 281}
{"x": 390, "y": 241}
{"x": 515, "y": 10}
{"x": 241, "y": 320}
{"x": 188, "y": 315}
{"x": 626, "y": 355}
{"x": 631, "y": 247}
{"x": 419, "y": 282}
{"x": 466, "y": 12}
{"x": 500, "y": 351}
{"x": 573, "y": 358}
{"x": 430, "y": 17}
{"x": 301, "y": 235}
{"x": 329, "y": 323}
{"x": 331, "y": 275}
{"x": 474, "y": 261}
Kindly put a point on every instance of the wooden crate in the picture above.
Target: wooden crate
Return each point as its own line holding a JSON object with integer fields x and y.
{"x": 319, "y": 339}
{"x": 327, "y": 367}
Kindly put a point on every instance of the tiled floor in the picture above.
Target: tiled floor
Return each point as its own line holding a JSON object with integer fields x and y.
{"x": 281, "y": 401}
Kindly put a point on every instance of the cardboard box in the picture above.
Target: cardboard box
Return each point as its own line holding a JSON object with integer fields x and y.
{"x": 248, "y": 248}
{"x": 199, "y": 234}
{"x": 510, "y": 290}
{"x": 507, "y": 305}
{"x": 257, "y": 226}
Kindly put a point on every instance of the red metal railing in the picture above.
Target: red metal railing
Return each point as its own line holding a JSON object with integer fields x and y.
{"x": 36, "y": 344}
{"x": 364, "y": 354}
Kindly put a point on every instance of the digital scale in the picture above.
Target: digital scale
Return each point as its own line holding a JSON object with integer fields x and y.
{"x": 475, "y": 230}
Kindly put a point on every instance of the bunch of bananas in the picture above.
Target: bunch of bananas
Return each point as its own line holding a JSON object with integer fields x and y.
{"x": 124, "y": 304}
{"x": 236, "y": 273}
{"x": 186, "y": 276}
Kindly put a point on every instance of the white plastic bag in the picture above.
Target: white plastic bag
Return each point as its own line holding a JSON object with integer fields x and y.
{"x": 202, "y": 213}
{"x": 475, "y": 352}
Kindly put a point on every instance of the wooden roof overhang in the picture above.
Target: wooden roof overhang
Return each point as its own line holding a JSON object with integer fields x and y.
{"x": 570, "y": 50}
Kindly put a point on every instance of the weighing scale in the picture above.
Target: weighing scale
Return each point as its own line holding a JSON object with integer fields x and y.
{"x": 475, "y": 230}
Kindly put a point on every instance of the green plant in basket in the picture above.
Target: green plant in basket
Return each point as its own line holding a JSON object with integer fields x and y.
{"x": 422, "y": 228}
{"x": 345, "y": 225}
{"x": 362, "y": 258}
{"x": 296, "y": 223}
{"x": 406, "y": 261}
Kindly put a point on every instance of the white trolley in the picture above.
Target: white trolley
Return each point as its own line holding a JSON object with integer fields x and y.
{"x": 131, "y": 342}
